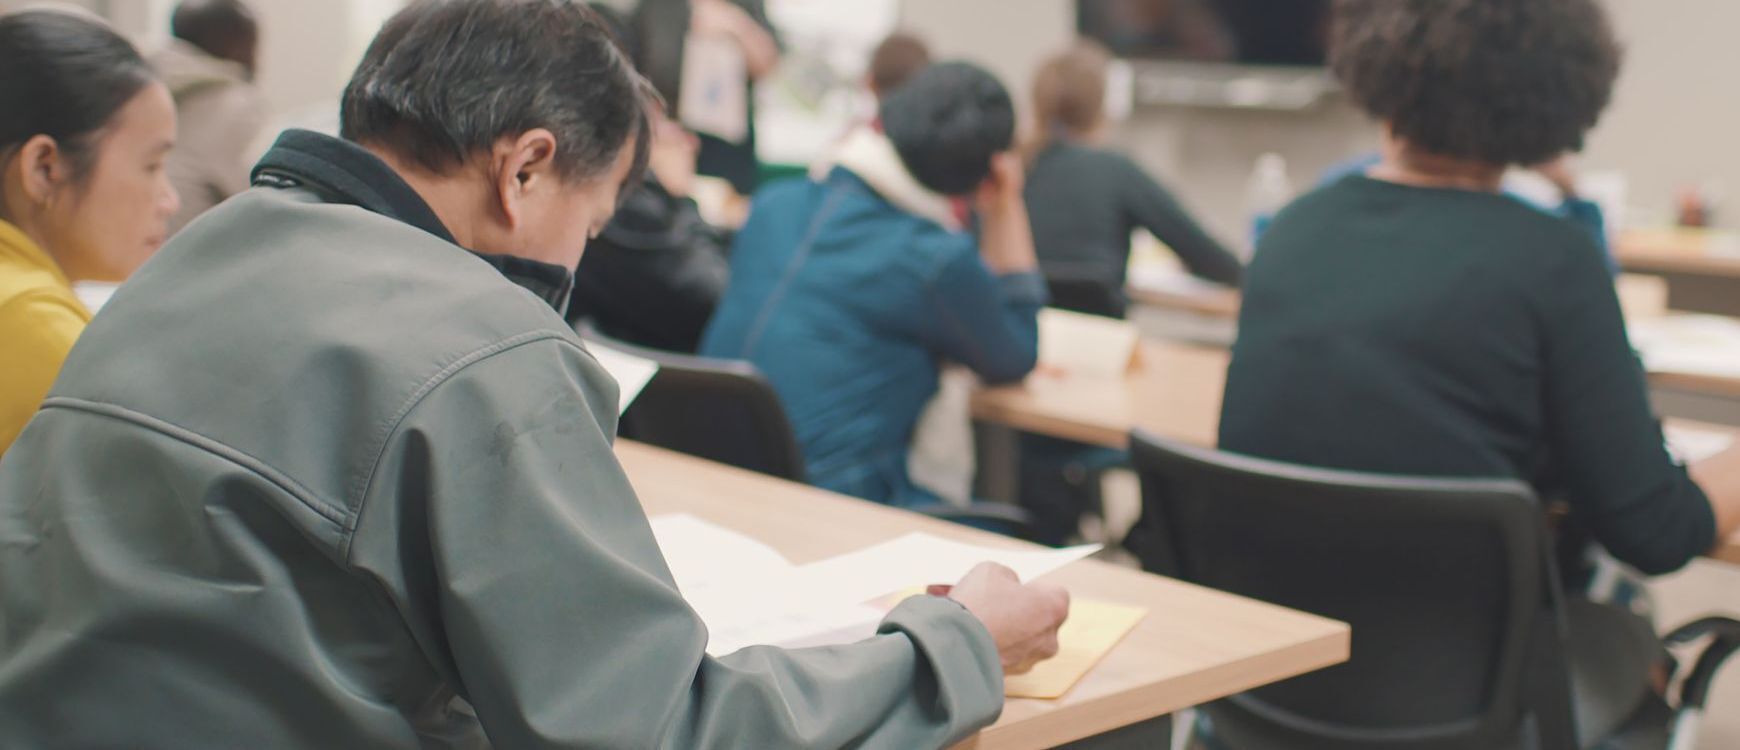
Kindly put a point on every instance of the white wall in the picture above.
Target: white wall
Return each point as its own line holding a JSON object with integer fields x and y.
{"x": 1204, "y": 155}
{"x": 1676, "y": 112}
{"x": 1671, "y": 123}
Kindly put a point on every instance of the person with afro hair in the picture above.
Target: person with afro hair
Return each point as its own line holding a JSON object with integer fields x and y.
{"x": 1412, "y": 319}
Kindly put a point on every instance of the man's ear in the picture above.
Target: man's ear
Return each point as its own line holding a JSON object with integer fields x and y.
{"x": 524, "y": 167}
{"x": 42, "y": 167}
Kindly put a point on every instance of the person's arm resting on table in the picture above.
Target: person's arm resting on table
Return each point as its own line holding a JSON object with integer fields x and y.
{"x": 503, "y": 528}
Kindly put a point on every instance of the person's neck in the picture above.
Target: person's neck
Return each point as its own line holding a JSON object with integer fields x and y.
{"x": 453, "y": 198}
{"x": 69, "y": 267}
{"x": 1411, "y": 167}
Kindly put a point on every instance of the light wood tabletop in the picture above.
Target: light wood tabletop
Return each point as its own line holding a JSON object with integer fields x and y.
{"x": 1194, "y": 646}
{"x": 1207, "y": 301}
{"x": 1678, "y": 251}
{"x": 1175, "y": 392}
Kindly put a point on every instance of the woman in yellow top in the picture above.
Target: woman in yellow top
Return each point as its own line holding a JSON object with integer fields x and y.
{"x": 84, "y": 131}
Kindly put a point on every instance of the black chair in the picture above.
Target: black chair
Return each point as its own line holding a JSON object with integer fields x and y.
{"x": 1461, "y": 637}
{"x": 1086, "y": 294}
{"x": 725, "y": 411}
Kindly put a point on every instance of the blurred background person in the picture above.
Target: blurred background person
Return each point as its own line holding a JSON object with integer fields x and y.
{"x": 656, "y": 272}
{"x": 662, "y": 30}
{"x": 209, "y": 67}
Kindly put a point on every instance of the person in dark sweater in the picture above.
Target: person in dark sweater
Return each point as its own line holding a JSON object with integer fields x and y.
{"x": 657, "y": 271}
{"x": 1414, "y": 320}
{"x": 1085, "y": 200}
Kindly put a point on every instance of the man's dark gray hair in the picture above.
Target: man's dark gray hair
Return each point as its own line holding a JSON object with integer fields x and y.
{"x": 446, "y": 79}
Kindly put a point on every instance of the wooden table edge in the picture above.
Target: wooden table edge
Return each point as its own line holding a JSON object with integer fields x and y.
{"x": 1149, "y": 702}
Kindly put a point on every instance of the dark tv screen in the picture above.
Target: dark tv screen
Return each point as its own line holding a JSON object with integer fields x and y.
{"x": 1247, "y": 32}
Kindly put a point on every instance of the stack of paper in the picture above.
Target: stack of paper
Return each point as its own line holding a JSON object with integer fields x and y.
{"x": 749, "y": 595}
{"x": 1691, "y": 445}
{"x": 1086, "y": 344}
{"x": 632, "y": 373}
{"x": 1690, "y": 344}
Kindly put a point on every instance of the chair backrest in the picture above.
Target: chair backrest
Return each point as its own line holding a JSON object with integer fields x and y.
{"x": 1447, "y": 584}
{"x": 1087, "y": 295}
{"x": 720, "y": 410}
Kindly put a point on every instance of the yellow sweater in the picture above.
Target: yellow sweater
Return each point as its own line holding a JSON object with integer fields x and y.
{"x": 39, "y": 321}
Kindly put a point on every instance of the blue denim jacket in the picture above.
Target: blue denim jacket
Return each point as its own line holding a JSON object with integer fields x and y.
{"x": 849, "y": 305}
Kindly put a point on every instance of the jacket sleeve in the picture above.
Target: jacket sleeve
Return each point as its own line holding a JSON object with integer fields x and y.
{"x": 504, "y": 529}
{"x": 1153, "y": 208}
{"x": 1641, "y": 504}
{"x": 988, "y": 323}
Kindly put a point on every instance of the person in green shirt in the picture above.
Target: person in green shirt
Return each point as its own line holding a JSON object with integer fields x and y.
{"x": 1414, "y": 320}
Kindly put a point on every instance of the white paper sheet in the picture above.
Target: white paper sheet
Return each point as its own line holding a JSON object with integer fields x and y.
{"x": 748, "y": 594}
{"x": 920, "y": 559}
{"x": 94, "y": 294}
{"x": 1689, "y": 344}
{"x": 1086, "y": 345}
{"x": 1691, "y": 445}
{"x": 630, "y": 372}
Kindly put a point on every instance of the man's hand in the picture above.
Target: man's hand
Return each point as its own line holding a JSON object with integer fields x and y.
{"x": 1002, "y": 190}
{"x": 1023, "y": 618}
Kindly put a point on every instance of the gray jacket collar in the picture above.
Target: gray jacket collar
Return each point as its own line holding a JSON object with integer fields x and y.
{"x": 339, "y": 171}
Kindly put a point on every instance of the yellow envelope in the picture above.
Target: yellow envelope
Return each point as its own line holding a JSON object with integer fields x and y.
{"x": 1090, "y": 633}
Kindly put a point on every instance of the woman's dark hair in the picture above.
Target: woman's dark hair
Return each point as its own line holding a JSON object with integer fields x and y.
{"x": 64, "y": 76}
{"x": 1493, "y": 81}
{"x": 446, "y": 79}
{"x": 947, "y": 123}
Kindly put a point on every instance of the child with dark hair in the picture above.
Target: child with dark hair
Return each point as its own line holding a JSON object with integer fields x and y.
{"x": 1085, "y": 200}
{"x": 848, "y": 292}
{"x": 1415, "y": 320}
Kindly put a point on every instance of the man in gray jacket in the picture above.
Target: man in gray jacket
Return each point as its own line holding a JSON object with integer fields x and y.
{"x": 331, "y": 472}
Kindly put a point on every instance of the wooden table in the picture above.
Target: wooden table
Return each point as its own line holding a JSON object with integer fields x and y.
{"x": 1702, "y": 269}
{"x": 1196, "y": 644}
{"x": 1176, "y": 393}
{"x": 1207, "y": 302}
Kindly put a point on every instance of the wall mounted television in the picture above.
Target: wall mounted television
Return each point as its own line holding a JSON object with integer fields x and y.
{"x": 1269, "y": 33}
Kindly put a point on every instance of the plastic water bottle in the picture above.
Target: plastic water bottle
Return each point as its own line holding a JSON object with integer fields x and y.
{"x": 1269, "y": 191}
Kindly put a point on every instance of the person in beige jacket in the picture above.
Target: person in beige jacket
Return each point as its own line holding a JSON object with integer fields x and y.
{"x": 209, "y": 68}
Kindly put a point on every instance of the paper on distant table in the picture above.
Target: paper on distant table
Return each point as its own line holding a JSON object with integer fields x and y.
{"x": 631, "y": 373}
{"x": 919, "y": 559}
{"x": 1173, "y": 281}
{"x": 1692, "y": 445}
{"x": 1091, "y": 631}
{"x": 1689, "y": 344}
{"x": 714, "y": 96}
{"x": 1086, "y": 344}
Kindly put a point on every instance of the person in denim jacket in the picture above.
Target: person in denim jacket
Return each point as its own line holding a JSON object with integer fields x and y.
{"x": 849, "y": 292}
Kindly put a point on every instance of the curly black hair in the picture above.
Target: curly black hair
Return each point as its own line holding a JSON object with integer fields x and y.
{"x": 1494, "y": 81}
